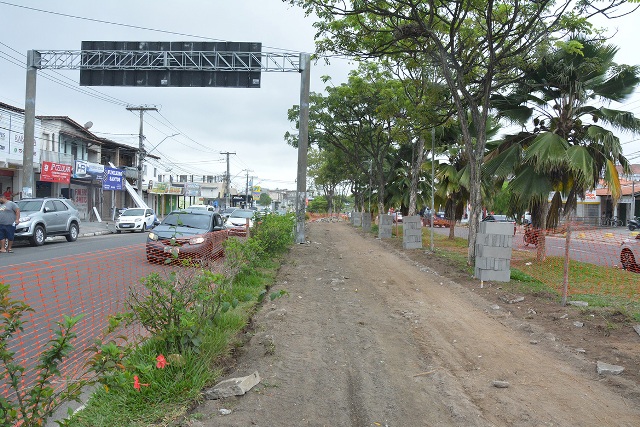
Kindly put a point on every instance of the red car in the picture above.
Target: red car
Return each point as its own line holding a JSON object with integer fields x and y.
{"x": 196, "y": 235}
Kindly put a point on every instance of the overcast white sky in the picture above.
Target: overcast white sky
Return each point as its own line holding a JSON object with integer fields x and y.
{"x": 249, "y": 122}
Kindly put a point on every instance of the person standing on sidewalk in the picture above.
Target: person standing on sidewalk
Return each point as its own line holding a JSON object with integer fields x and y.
{"x": 8, "y": 194}
{"x": 9, "y": 217}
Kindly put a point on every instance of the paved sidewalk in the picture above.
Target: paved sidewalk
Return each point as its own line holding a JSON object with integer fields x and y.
{"x": 95, "y": 228}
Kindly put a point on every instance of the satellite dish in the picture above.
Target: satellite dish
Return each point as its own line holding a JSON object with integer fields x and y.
{"x": 88, "y": 125}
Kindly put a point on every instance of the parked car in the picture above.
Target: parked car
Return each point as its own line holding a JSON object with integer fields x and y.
{"x": 135, "y": 219}
{"x": 226, "y": 212}
{"x": 187, "y": 234}
{"x": 438, "y": 221}
{"x": 237, "y": 221}
{"x": 43, "y": 216}
{"x": 500, "y": 218}
{"x": 630, "y": 254}
{"x": 396, "y": 216}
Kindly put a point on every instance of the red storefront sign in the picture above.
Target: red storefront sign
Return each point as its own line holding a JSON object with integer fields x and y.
{"x": 55, "y": 172}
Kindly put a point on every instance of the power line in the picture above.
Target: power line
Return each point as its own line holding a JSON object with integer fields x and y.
{"x": 137, "y": 27}
{"x": 20, "y": 62}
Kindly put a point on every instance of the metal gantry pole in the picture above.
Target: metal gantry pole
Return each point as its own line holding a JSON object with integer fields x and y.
{"x": 28, "y": 186}
{"x": 303, "y": 142}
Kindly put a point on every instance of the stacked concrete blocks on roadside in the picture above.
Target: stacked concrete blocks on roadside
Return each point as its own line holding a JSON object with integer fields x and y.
{"x": 366, "y": 221}
{"x": 493, "y": 251}
{"x": 357, "y": 219}
{"x": 412, "y": 232}
{"x": 385, "y": 226}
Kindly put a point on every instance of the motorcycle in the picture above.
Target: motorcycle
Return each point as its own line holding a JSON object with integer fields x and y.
{"x": 634, "y": 223}
{"x": 530, "y": 235}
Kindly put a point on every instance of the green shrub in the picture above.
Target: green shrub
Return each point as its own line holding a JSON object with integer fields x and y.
{"x": 178, "y": 308}
{"x": 274, "y": 233}
{"x": 31, "y": 405}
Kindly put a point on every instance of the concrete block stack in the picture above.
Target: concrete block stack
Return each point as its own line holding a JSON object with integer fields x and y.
{"x": 356, "y": 219}
{"x": 385, "y": 226}
{"x": 412, "y": 232}
{"x": 366, "y": 221}
{"x": 493, "y": 251}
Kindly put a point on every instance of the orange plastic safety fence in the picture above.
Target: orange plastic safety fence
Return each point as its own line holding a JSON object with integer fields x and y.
{"x": 96, "y": 285}
{"x": 602, "y": 260}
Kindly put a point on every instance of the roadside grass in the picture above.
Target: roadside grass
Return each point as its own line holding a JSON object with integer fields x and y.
{"x": 607, "y": 288}
{"x": 144, "y": 387}
{"x": 171, "y": 392}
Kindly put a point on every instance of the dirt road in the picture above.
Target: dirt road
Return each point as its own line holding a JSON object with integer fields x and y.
{"x": 368, "y": 338}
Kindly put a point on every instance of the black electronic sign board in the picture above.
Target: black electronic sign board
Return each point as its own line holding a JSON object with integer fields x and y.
{"x": 170, "y": 64}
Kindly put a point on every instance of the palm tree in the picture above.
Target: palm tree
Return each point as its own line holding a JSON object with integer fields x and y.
{"x": 571, "y": 144}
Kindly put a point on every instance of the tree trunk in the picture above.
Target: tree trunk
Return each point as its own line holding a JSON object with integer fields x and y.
{"x": 567, "y": 245}
{"x": 541, "y": 253}
{"x": 416, "y": 165}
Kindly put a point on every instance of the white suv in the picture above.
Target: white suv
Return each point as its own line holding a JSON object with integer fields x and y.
{"x": 44, "y": 216}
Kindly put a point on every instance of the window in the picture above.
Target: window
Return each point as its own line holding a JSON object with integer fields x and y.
{"x": 59, "y": 206}
{"x": 47, "y": 141}
{"x": 49, "y": 206}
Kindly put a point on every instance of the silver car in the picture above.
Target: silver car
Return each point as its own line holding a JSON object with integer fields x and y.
{"x": 43, "y": 217}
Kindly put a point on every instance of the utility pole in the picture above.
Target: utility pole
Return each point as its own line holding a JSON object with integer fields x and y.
{"x": 28, "y": 181}
{"x": 227, "y": 190}
{"x": 246, "y": 191}
{"x": 141, "y": 153}
{"x": 303, "y": 145}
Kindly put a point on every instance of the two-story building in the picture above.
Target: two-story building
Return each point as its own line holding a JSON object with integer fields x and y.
{"x": 64, "y": 143}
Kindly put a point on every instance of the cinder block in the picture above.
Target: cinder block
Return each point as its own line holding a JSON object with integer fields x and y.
{"x": 366, "y": 221}
{"x": 498, "y": 276}
{"x": 384, "y": 232}
{"x": 493, "y": 252}
{"x": 357, "y": 219}
{"x": 504, "y": 228}
{"x": 385, "y": 220}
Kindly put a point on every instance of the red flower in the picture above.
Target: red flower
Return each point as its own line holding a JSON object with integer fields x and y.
{"x": 162, "y": 362}
{"x": 136, "y": 383}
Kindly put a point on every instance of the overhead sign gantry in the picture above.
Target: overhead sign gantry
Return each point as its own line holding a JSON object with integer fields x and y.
{"x": 171, "y": 64}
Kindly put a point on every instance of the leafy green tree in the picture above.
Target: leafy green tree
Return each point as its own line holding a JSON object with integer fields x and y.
{"x": 264, "y": 200}
{"x": 319, "y": 204}
{"x": 357, "y": 118}
{"x": 568, "y": 141}
{"x": 328, "y": 170}
{"x": 478, "y": 46}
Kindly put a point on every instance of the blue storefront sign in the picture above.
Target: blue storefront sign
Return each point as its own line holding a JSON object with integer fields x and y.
{"x": 112, "y": 179}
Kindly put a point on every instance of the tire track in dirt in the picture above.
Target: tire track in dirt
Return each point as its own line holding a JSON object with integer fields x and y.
{"x": 365, "y": 337}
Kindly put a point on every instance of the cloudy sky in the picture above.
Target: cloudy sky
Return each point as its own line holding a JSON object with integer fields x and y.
{"x": 208, "y": 121}
{"x": 249, "y": 122}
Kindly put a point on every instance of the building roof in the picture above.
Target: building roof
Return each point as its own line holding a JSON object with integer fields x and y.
{"x": 11, "y": 108}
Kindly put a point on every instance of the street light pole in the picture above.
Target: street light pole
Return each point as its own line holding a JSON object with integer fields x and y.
{"x": 158, "y": 144}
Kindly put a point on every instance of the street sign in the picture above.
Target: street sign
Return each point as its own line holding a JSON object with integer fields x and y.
{"x": 171, "y": 64}
{"x": 112, "y": 179}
